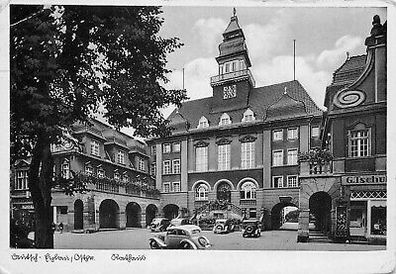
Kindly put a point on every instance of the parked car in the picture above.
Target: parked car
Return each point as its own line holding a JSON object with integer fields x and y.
{"x": 180, "y": 237}
{"x": 223, "y": 226}
{"x": 251, "y": 228}
{"x": 179, "y": 222}
{"x": 159, "y": 224}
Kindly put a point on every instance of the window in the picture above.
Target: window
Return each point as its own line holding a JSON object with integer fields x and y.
{"x": 203, "y": 122}
{"x": 62, "y": 209}
{"x": 101, "y": 173}
{"x": 95, "y": 148}
{"x": 116, "y": 176}
{"x": 153, "y": 170}
{"x": 359, "y": 143}
{"x": 166, "y": 187}
{"x": 176, "y": 147}
{"x": 176, "y": 166}
{"x": 292, "y": 156}
{"x": 166, "y": 148}
{"x": 166, "y": 167}
{"x": 88, "y": 169}
{"x": 223, "y": 158}
{"x": 201, "y": 158}
{"x": 247, "y": 154}
{"x": 277, "y": 159}
{"x": 315, "y": 132}
{"x": 125, "y": 178}
{"x": 248, "y": 191}
{"x": 248, "y": 116}
{"x": 153, "y": 150}
{"x": 201, "y": 192}
{"x": 221, "y": 69}
{"x": 277, "y": 182}
{"x": 227, "y": 67}
{"x": 252, "y": 213}
{"x": 292, "y": 133}
{"x": 141, "y": 164}
{"x": 176, "y": 186}
{"x": 21, "y": 181}
{"x": 277, "y": 135}
{"x": 241, "y": 65}
{"x": 121, "y": 157}
{"x": 292, "y": 181}
{"x": 225, "y": 119}
{"x": 234, "y": 66}
{"x": 65, "y": 170}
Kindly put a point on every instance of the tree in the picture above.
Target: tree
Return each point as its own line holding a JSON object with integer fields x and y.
{"x": 66, "y": 62}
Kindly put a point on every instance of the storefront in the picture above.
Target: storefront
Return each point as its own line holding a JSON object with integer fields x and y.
{"x": 367, "y": 210}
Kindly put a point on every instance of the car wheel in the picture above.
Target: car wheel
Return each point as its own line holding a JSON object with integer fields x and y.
{"x": 154, "y": 245}
{"x": 249, "y": 229}
{"x": 187, "y": 245}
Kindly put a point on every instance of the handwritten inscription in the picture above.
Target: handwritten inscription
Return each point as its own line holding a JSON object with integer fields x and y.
{"x": 128, "y": 257}
{"x": 53, "y": 258}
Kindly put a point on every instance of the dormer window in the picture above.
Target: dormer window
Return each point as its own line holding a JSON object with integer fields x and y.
{"x": 203, "y": 122}
{"x": 248, "y": 116}
{"x": 225, "y": 119}
{"x": 88, "y": 169}
{"x": 121, "y": 157}
{"x": 116, "y": 176}
{"x": 95, "y": 148}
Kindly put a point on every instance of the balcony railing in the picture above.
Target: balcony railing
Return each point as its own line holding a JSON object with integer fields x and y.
{"x": 315, "y": 162}
{"x": 232, "y": 75}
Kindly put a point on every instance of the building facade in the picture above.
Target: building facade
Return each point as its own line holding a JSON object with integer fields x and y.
{"x": 120, "y": 192}
{"x": 354, "y": 131}
{"x": 239, "y": 148}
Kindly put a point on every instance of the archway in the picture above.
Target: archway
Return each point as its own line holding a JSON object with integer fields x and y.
{"x": 223, "y": 191}
{"x": 278, "y": 213}
{"x": 151, "y": 211}
{"x": 171, "y": 211}
{"x": 109, "y": 214}
{"x": 78, "y": 214}
{"x": 133, "y": 215}
{"x": 319, "y": 209}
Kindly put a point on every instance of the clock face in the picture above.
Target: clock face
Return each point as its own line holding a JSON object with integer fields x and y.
{"x": 229, "y": 92}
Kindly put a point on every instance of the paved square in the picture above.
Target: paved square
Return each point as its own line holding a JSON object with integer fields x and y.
{"x": 138, "y": 239}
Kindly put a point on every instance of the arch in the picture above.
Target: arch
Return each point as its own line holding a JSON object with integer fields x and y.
{"x": 199, "y": 182}
{"x": 276, "y": 214}
{"x": 151, "y": 212}
{"x": 109, "y": 214}
{"x": 244, "y": 180}
{"x": 171, "y": 211}
{"x": 223, "y": 191}
{"x": 223, "y": 180}
{"x": 78, "y": 214}
{"x": 133, "y": 213}
{"x": 319, "y": 208}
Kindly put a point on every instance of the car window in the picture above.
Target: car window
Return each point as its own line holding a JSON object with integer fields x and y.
{"x": 172, "y": 232}
{"x": 195, "y": 231}
{"x": 182, "y": 232}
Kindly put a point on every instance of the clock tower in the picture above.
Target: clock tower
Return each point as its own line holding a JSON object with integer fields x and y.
{"x": 232, "y": 85}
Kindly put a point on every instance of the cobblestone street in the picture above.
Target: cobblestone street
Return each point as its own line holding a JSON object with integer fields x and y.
{"x": 138, "y": 239}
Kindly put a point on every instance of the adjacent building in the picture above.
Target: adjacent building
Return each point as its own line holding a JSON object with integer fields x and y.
{"x": 120, "y": 192}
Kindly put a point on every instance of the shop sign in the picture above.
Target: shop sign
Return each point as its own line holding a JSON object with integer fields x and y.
{"x": 364, "y": 179}
{"x": 27, "y": 207}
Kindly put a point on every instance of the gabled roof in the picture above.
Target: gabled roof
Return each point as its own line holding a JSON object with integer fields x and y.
{"x": 350, "y": 70}
{"x": 260, "y": 100}
{"x": 284, "y": 108}
{"x": 233, "y": 25}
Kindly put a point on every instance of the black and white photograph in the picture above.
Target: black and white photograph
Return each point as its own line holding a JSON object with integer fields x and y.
{"x": 176, "y": 137}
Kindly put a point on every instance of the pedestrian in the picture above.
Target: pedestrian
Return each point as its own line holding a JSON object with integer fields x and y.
{"x": 61, "y": 227}
{"x": 53, "y": 227}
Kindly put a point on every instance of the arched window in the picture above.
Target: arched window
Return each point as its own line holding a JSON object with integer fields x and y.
{"x": 248, "y": 191}
{"x": 65, "y": 169}
{"x": 248, "y": 116}
{"x": 225, "y": 119}
{"x": 201, "y": 192}
{"x": 203, "y": 122}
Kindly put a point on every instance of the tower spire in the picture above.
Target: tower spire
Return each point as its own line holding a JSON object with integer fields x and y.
{"x": 234, "y": 11}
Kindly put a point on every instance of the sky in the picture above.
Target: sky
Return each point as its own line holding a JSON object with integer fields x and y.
{"x": 323, "y": 36}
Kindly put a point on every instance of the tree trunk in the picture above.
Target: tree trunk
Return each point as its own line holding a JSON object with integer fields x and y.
{"x": 40, "y": 183}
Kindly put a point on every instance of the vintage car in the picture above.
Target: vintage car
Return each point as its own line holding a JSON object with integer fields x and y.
{"x": 159, "y": 224}
{"x": 251, "y": 228}
{"x": 179, "y": 222}
{"x": 223, "y": 226}
{"x": 180, "y": 237}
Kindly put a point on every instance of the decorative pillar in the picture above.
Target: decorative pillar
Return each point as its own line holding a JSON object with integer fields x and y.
{"x": 55, "y": 217}
{"x": 303, "y": 225}
{"x": 122, "y": 220}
